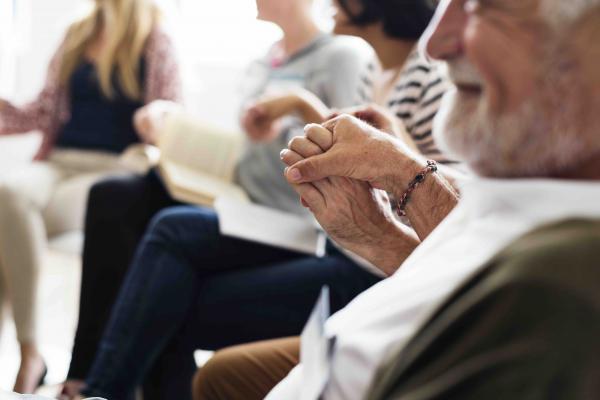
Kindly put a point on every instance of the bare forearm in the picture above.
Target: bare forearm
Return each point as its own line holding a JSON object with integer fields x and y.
{"x": 311, "y": 115}
{"x": 301, "y": 105}
{"x": 312, "y": 109}
{"x": 430, "y": 202}
{"x": 391, "y": 253}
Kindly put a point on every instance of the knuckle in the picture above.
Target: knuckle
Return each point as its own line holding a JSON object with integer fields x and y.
{"x": 294, "y": 142}
{"x": 306, "y": 168}
{"x": 344, "y": 120}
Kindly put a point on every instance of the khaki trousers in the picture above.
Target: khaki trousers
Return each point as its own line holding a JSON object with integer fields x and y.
{"x": 246, "y": 372}
{"x": 39, "y": 200}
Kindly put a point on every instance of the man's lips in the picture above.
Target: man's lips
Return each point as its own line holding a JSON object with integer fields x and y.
{"x": 470, "y": 88}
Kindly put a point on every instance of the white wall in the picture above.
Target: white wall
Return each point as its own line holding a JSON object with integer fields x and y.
{"x": 7, "y": 56}
{"x": 29, "y": 42}
{"x": 43, "y": 26}
{"x": 217, "y": 38}
{"x": 216, "y": 45}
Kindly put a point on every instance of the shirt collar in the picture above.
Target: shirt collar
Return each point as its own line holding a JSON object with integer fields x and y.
{"x": 538, "y": 200}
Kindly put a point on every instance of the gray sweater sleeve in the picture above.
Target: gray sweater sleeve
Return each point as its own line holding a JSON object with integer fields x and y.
{"x": 349, "y": 65}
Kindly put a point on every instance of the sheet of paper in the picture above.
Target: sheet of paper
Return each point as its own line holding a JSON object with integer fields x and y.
{"x": 269, "y": 226}
{"x": 315, "y": 352}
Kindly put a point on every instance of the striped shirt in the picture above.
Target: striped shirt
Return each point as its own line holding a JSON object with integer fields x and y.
{"x": 415, "y": 98}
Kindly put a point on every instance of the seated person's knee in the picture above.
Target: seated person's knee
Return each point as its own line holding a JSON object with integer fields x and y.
{"x": 213, "y": 380}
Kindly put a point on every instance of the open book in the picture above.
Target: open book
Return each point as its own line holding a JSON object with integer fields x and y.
{"x": 197, "y": 160}
{"x": 197, "y": 164}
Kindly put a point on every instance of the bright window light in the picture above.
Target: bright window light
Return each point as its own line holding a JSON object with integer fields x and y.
{"x": 223, "y": 31}
{"x": 227, "y": 32}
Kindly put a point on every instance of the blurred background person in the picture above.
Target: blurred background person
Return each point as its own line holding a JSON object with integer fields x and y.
{"x": 328, "y": 66}
{"x": 121, "y": 208}
{"x": 404, "y": 86}
{"x": 110, "y": 64}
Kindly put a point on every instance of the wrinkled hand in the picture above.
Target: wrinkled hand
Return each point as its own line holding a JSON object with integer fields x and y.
{"x": 353, "y": 149}
{"x": 354, "y": 214}
{"x": 382, "y": 119}
{"x": 149, "y": 120}
{"x": 377, "y": 117}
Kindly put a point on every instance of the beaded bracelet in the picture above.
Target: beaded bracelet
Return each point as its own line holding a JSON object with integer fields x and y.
{"x": 403, "y": 201}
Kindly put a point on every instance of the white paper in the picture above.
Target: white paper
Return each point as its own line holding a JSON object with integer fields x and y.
{"x": 269, "y": 226}
{"x": 315, "y": 351}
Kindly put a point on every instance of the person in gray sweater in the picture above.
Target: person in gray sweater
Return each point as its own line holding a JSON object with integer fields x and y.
{"x": 330, "y": 68}
{"x": 189, "y": 286}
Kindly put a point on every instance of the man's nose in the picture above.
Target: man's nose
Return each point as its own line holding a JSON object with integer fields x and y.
{"x": 443, "y": 39}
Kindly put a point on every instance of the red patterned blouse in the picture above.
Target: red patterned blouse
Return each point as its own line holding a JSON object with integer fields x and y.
{"x": 51, "y": 110}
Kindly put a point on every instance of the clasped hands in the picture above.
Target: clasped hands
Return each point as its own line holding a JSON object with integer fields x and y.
{"x": 341, "y": 170}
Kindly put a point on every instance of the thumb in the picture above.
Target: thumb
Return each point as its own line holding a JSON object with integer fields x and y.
{"x": 314, "y": 168}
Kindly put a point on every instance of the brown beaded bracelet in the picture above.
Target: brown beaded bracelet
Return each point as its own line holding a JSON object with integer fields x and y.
{"x": 403, "y": 201}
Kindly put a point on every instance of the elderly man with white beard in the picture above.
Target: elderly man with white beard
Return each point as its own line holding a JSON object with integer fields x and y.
{"x": 501, "y": 299}
{"x": 523, "y": 116}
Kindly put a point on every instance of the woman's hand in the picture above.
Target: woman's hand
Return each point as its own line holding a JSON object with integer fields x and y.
{"x": 261, "y": 119}
{"x": 149, "y": 120}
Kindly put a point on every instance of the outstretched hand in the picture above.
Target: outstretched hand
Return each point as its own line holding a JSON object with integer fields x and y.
{"x": 260, "y": 120}
{"x": 149, "y": 120}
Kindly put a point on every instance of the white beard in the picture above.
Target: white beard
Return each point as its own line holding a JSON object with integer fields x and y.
{"x": 541, "y": 138}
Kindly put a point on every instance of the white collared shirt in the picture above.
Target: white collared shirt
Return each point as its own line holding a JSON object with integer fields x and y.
{"x": 492, "y": 214}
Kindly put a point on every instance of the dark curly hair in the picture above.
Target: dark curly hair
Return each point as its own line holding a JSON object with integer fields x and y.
{"x": 402, "y": 19}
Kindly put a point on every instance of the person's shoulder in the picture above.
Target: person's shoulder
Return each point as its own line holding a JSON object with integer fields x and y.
{"x": 563, "y": 256}
{"x": 160, "y": 36}
{"x": 337, "y": 48}
{"x": 160, "y": 47}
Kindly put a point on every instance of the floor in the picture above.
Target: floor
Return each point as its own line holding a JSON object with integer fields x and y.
{"x": 58, "y": 302}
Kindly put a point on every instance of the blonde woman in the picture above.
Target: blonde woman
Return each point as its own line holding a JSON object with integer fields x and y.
{"x": 110, "y": 66}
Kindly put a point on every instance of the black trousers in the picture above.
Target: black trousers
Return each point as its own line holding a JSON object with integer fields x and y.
{"x": 118, "y": 212}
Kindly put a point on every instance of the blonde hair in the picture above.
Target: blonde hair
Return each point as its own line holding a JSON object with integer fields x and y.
{"x": 127, "y": 25}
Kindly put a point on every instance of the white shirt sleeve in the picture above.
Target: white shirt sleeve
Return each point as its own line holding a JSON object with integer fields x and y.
{"x": 289, "y": 387}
